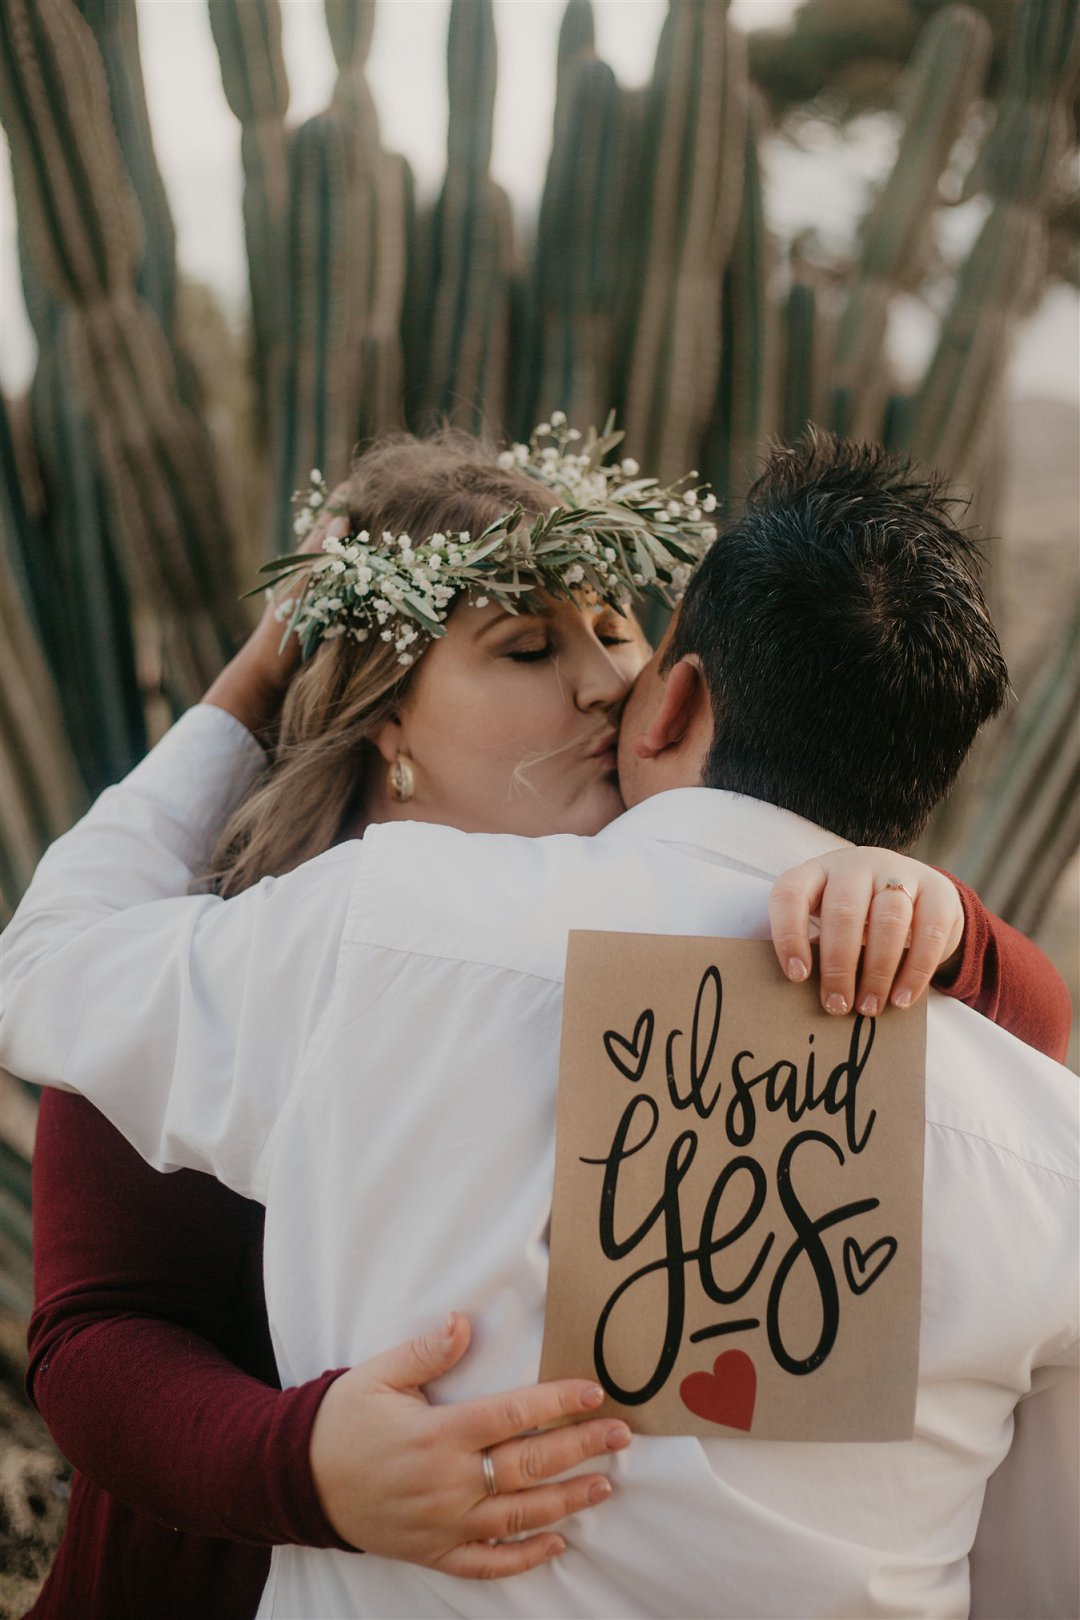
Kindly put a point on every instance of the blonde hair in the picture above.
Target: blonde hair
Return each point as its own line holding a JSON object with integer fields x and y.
{"x": 314, "y": 782}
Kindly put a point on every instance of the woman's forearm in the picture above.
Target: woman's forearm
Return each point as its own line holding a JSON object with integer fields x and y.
{"x": 150, "y": 1354}
{"x": 165, "y": 1423}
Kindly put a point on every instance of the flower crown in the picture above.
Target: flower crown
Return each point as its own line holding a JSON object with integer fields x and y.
{"x": 614, "y": 535}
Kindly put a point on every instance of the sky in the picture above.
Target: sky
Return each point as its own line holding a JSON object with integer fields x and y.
{"x": 197, "y": 140}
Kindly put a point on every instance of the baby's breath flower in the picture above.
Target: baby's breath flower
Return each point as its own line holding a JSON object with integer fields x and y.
{"x": 709, "y": 503}
{"x": 630, "y": 467}
{"x": 482, "y": 601}
{"x": 558, "y": 419}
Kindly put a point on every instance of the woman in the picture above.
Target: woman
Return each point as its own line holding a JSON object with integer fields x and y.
{"x": 364, "y": 737}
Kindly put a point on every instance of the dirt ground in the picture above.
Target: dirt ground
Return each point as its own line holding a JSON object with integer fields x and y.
{"x": 1037, "y": 576}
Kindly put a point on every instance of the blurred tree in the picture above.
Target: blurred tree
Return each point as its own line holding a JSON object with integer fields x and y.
{"x": 848, "y": 54}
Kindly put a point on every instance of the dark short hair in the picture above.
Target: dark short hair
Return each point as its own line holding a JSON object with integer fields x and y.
{"x": 845, "y": 641}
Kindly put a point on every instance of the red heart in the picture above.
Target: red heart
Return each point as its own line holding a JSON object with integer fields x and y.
{"x": 727, "y": 1394}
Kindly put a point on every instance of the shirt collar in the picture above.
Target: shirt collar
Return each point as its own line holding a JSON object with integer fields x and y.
{"x": 747, "y": 832}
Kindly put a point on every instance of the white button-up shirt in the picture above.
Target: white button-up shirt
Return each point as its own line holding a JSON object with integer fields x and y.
{"x": 369, "y": 1045}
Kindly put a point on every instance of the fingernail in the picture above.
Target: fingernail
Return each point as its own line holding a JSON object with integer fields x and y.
{"x": 592, "y": 1395}
{"x": 598, "y": 1491}
{"x": 835, "y": 1003}
{"x": 902, "y": 998}
{"x": 868, "y": 1006}
{"x": 617, "y": 1436}
{"x": 797, "y": 970}
{"x": 558, "y": 1546}
{"x": 448, "y": 1327}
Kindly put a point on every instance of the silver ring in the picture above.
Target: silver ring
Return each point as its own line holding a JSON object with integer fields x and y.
{"x": 489, "y": 1472}
{"x": 895, "y": 883}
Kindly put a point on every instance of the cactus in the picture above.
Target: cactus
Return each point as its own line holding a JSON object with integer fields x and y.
{"x": 806, "y": 355}
{"x": 463, "y": 338}
{"x": 935, "y": 99}
{"x": 381, "y": 204}
{"x": 247, "y": 34}
{"x": 1030, "y": 825}
{"x": 734, "y": 433}
{"x": 116, "y": 31}
{"x": 42, "y": 790}
{"x": 695, "y": 144}
{"x": 318, "y": 399}
{"x": 578, "y": 263}
{"x": 81, "y": 227}
{"x": 1020, "y": 168}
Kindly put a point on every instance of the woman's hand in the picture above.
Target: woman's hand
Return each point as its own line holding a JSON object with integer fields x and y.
{"x": 252, "y": 685}
{"x": 854, "y": 893}
{"x": 404, "y": 1479}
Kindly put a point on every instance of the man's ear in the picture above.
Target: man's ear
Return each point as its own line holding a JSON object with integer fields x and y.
{"x": 390, "y": 740}
{"x": 684, "y": 705}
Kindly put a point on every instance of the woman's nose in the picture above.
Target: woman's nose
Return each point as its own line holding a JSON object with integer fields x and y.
{"x": 600, "y": 683}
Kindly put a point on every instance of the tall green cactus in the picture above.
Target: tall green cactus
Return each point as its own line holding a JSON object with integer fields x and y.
{"x": 463, "y": 338}
{"x": 734, "y": 433}
{"x": 1030, "y": 824}
{"x": 82, "y": 231}
{"x": 578, "y": 264}
{"x": 42, "y": 790}
{"x": 695, "y": 151}
{"x": 807, "y": 352}
{"x": 318, "y": 397}
{"x": 1020, "y": 168}
{"x": 936, "y": 95}
{"x": 247, "y": 34}
{"x": 116, "y": 31}
{"x": 381, "y": 203}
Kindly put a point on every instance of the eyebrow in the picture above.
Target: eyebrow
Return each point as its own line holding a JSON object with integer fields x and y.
{"x": 500, "y": 618}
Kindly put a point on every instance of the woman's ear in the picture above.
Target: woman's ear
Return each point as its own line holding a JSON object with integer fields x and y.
{"x": 683, "y": 707}
{"x": 390, "y": 740}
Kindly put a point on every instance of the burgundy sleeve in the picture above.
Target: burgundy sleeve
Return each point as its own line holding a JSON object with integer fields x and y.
{"x": 150, "y": 1356}
{"x": 1002, "y": 975}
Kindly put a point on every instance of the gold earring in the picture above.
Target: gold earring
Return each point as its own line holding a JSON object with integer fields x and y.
{"x": 401, "y": 780}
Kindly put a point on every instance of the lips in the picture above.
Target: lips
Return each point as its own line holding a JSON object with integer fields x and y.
{"x": 606, "y": 750}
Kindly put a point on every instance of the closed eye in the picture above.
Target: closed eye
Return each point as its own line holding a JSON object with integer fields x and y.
{"x": 532, "y": 655}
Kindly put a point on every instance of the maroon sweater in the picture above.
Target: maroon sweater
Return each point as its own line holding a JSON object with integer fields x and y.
{"x": 151, "y": 1362}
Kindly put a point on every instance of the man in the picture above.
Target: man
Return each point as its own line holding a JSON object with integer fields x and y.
{"x": 825, "y": 677}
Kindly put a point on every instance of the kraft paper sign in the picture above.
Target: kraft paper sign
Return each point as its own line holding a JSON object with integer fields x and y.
{"x": 737, "y": 1221}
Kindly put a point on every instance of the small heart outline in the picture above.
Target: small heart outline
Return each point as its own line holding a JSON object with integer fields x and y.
{"x": 852, "y": 1252}
{"x": 612, "y": 1039}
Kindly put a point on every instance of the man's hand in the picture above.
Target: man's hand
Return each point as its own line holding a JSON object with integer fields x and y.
{"x": 402, "y": 1478}
{"x": 252, "y": 685}
{"x": 910, "y": 932}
